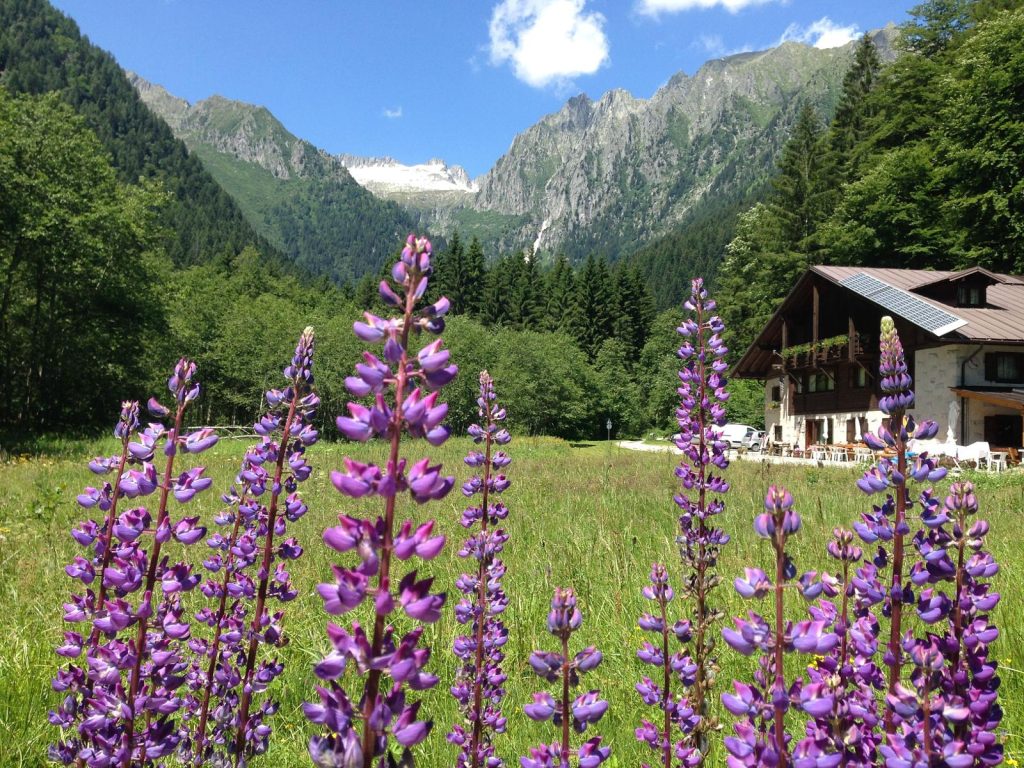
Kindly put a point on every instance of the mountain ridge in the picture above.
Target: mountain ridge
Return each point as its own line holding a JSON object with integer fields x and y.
{"x": 633, "y": 167}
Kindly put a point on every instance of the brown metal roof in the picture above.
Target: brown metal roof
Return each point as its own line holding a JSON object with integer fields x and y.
{"x": 1000, "y": 322}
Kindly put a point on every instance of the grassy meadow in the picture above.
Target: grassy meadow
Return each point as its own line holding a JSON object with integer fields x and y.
{"x": 587, "y": 515}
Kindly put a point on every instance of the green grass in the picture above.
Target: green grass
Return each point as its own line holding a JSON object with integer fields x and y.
{"x": 592, "y": 517}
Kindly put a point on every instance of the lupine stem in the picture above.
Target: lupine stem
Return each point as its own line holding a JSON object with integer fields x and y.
{"x": 115, "y": 494}
{"x": 896, "y": 616}
{"x": 264, "y": 576}
{"x": 565, "y": 700}
{"x": 108, "y": 536}
{"x": 482, "y": 566}
{"x": 147, "y": 594}
{"x": 387, "y": 544}
{"x": 701, "y": 608}
{"x": 780, "y": 679}
{"x": 667, "y": 683}
{"x": 215, "y": 653}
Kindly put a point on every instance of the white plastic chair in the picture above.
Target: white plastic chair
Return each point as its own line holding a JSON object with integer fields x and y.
{"x": 976, "y": 452}
{"x": 996, "y": 462}
{"x": 837, "y": 454}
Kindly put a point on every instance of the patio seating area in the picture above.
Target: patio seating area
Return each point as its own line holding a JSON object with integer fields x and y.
{"x": 978, "y": 455}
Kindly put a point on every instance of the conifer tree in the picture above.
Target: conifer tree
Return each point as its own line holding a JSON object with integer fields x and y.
{"x": 559, "y": 290}
{"x": 594, "y": 299}
{"x": 799, "y": 199}
{"x": 498, "y": 288}
{"x": 449, "y": 278}
{"x": 850, "y": 125}
{"x": 474, "y": 268}
{"x": 526, "y": 300}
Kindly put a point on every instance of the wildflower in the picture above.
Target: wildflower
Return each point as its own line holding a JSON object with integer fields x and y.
{"x": 579, "y": 713}
{"x": 480, "y": 679}
{"x": 363, "y": 728}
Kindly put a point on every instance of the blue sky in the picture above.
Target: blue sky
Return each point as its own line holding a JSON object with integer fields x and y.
{"x": 456, "y": 79}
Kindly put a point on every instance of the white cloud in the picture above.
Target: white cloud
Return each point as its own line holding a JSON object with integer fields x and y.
{"x": 715, "y": 46}
{"x": 393, "y": 114}
{"x": 712, "y": 44}
{"x": 655, "y": 7}
{"x": 823, "y": 33}
{"x": 547, "y": 41}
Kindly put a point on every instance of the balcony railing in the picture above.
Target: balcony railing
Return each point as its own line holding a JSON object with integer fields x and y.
{"x": 826, "y": 351}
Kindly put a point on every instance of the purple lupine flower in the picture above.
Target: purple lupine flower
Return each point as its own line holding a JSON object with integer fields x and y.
{"x": 841, "y": 690}
{"x": 479, "y": 682}
{"x": 120, "y": 678}
{"x": 701, "y": 413}
{"x": 677, "y": 712}
{"x": 258, "y": 507}
{"x": 565, "y": 712}
{"x": 362, "y": 729}
{"x": 761, "y": 738}
{"x": 950, "y": 710}
{"x": 888, "y": 522}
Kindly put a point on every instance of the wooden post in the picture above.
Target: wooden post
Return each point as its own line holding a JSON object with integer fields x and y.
{"x": 851, "y": 333}
{"x": 814, "y": 323}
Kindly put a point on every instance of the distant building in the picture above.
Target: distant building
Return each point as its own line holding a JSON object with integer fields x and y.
{"x": 963, "y": 333}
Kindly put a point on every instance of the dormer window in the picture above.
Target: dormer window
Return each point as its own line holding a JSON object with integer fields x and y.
{"x": 970, "y": 295}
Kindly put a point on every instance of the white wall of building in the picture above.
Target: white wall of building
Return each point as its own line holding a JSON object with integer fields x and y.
{"x": 936, "y": 371}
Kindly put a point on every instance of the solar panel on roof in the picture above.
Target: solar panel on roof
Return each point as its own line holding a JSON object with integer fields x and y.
{"x": 906, "y": 305}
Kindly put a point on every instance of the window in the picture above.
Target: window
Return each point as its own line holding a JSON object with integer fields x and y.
{"x": 820, "y": 382}
{"x": 970, "y": 295}
{"x": 776, "y": 394}
{"x": 1004, "y": 366}
{"x": 858, "y": 378}
{"x": 777, "y": 433}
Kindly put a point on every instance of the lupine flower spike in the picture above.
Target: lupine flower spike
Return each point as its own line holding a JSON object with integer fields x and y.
{"x": 480, "y": 679}
{"x": 581, "y": 712}
{"x": 701, "y": 413}
{"x": 361, "y": 729}
{"x": 949, "y": 713}
{"x": 124, "y": 697}
{"x": 848, "y": 676}
{"x": 761, "y": 738}
{"x": 888, "y": 523}
{"x": 676, "y": 711}
{"x": 250, "y": 564}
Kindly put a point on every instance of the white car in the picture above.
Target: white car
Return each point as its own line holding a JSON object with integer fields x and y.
{"x": 753, "y": 440}
{"x": 735, "y": 434}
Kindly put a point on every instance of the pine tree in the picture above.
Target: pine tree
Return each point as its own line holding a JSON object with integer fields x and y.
{"x": 935, "y": 25}
{"x": 448, "y": 275}
{"x": 850, "y": 125}
{"x": 559, "y": 295}
{"x": 498, "y": 288}
{"x": 634, "y": 309}
{"x": 799, "y": 199}
{"x": 592, "y": 319}
{"x": 526, "y": 300}
{"x": 475, "y": 276}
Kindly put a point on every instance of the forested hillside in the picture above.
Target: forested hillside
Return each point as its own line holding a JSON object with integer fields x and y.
{"x": 118, "y": 253}
{"x": 922, "y": 166}
{"x": 303, "y": 200}
{"x": 42, "y": 51}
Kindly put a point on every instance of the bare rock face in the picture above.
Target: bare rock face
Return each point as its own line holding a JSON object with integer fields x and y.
{"x": 245, "y": 132}
{"x": 619, "y": 170}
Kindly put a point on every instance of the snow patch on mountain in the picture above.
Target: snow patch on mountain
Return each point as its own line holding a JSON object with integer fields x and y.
{"x": 385, "y": 174}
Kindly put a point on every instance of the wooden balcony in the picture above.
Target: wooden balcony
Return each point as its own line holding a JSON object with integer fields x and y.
{"x": 826, "y": 352}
